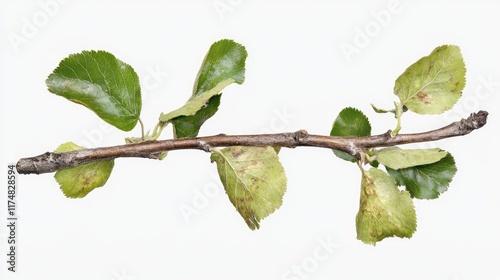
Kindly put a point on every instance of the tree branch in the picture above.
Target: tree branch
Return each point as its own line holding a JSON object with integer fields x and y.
{"x": 51, "y": 161}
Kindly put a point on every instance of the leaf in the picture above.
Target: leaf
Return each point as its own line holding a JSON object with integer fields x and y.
{"x": 383, "y": 111}
{"x": 223, "y": 65}
{"x": 384, "y": 210}
{"x": 380, "y": 110}
{"x": 189, "y": 126}
{"x": 225, "y": 60}
{"x": 196, "y": 104}
{"x": 77, "y": 182}
{"x": 102, "y": 83}
{"x": 350, "y": 122}
{"x": 434, "y": 83}
{"x": 397, "y": 158}
{"x": 254, "y": 180}
{"x": 426, "y": 181}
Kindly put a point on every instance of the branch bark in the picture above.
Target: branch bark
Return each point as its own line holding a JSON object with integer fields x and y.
{"x": 51, "y": 161}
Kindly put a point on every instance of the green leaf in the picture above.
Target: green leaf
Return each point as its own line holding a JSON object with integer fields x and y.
{"x": 350, "y": 122}
{"x": 434, "y": 83}
{"x": 77, "y": 182}
{"x": 196, "y": 104}
{"x": 102, "y": 83}
{"x": 384, "y": 210}
{"x": 426, "y": 181}
{"x": 223, "y": 65}
{"x": 254, "y": 180}
{"x": 189, "y": 126}
{"x": 397, "y": 158}
{"x": 225, "y": 60}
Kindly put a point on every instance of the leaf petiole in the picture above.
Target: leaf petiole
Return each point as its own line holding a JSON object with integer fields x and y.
{"x": 398, "y": 113}
{"x": 142, "y": 128}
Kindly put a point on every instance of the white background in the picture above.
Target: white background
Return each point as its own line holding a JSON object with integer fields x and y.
{"x": 297, "y": 77}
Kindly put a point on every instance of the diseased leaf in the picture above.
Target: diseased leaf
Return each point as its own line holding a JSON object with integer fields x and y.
{"x": 397, "y": 158}
{"x": 434, "y": 83}
{"x": 102, "y": 83}
{"x": 223, "y": 65}
{"x": 254, "y": 180}
{"x": 350, "y": 122}
{"x": 426, "y": 181}
{"x": 77, "y": 182}
{"x": 384, "y": 210}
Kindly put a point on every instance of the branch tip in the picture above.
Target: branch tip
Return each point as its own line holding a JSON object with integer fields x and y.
{"x": 480, "y": 118}
{"x": 474, "y": 121}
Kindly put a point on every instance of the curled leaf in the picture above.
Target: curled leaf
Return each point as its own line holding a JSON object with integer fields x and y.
{"x": 397, "y": 158}
{"x": 223, "y": 65}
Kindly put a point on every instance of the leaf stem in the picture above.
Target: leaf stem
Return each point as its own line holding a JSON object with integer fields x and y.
{"x": 142, "y": 128}
{"x": 398, "y": 113}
